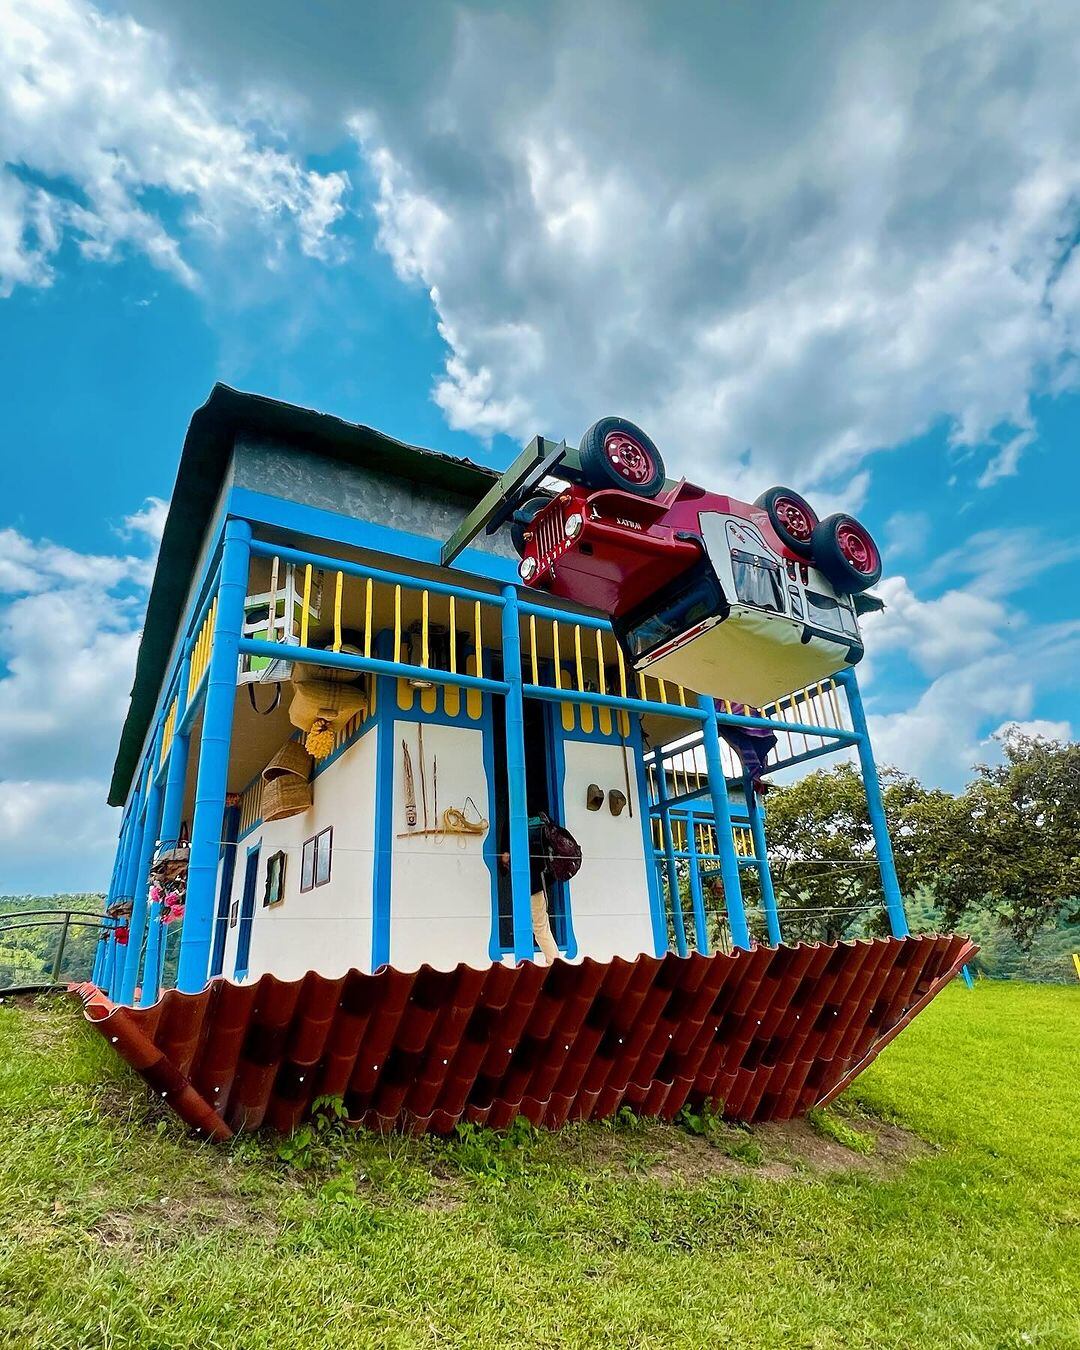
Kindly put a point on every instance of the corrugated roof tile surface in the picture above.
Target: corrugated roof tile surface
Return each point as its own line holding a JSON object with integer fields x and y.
{"x": 767, "y": 1033}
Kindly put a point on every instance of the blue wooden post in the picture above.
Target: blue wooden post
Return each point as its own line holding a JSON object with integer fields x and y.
{"x": 104, "y": 952}
{"x": 875, "y": 805}
{"x": 225, "y": 889}
{"x": 151, "y": 970}
{"x": 383, "y": 862}
{"x": 756, "y": 816}
{"x": 652, "y": 876}
{"x": 729, "y": 862}
{"x": 197, "y": 934}
{"x": 677, "y": 918}
{"x": 701, "y": 922}
{"x": 518, "y": 833}
{"x": 139, "y": 899}
{"x": 100, "y": 952}
{"x": 172, "y": 808}
{"x": 134, "y": 843}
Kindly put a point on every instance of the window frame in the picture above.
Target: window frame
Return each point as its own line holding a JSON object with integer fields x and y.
{"x": 276, "y": 861}
{"x": 313, "y": 844}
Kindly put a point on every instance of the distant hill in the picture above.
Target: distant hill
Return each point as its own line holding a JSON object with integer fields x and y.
{"x": 27, "y": 952}
{"x": 1000, "y": 958}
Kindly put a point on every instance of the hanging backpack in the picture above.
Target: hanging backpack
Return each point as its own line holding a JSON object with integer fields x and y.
{"x": 563, "y": 850}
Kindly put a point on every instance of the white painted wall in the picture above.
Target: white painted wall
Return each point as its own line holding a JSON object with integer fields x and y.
{"x": 327, "y": 929}
{"x": 609, "y": 897}
{"x": 440, "y": 906}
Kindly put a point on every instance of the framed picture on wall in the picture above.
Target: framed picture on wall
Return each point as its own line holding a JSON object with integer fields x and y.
{"x": 275, "y": 880}
{"x": 315, "y": 860}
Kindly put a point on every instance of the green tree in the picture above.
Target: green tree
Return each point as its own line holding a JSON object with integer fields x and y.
{"x": 1008, "y": 845}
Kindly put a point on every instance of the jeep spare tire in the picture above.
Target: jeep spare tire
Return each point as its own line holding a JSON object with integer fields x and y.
{"x": 844, "y": 550}
{"x": 617, "y": 454}
{"x": 792, "y": 517}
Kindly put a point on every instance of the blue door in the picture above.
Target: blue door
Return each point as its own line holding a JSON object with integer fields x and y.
{"x": 247, "y": 914}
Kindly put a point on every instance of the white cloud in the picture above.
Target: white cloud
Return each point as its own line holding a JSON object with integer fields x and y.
{"x": 148, "y": 522}
{"x": 96, "y": 120}
{"x": 907, "y": 533}
{"x": 68, "y": 639}
{"x": 807, "y": 268}
{"x": 1005, "y": 560}
{"x": 54, "y": 836}
{"x": 944, "y": 732}
{"x": 1038, "y": 726}
{"x": 937, "y": 634}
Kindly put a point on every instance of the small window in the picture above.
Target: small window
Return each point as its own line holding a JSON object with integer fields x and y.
{"x": 275, "y": 880}
{"x": 315, "y": 860}
{"x": 757, "y": 581}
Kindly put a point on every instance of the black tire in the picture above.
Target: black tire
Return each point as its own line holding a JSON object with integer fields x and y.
{"x": 850, "y": 569}
{"x": 778, "y": 501}
{"x": 521, "y": 520}
{"x": 640, "y": 468}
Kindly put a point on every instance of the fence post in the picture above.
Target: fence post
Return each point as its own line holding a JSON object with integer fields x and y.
{"x": 517, "y": 800}
{"x": 197, "y": 932}
{"x": 756, "y": 814}
{"x": 729, "y": 862}
{"x": 875, "y": 806}
{"x": 58, "y": 959}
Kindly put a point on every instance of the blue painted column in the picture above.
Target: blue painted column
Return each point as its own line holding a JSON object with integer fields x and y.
{"x": 875, "y": 805}
{"x": 677, "y": 919}
{"x": 652, "y": 878}
{"x": 172, "y": 808}
{"x": 206, "y": 825}
{"x": 701, "y": 922}
{"x": 518, "y": 833}
{"x": 756, "y": 815}
{"x": 104, "y": 948}
{"x": 134, "y": 843}
{"x": 155, "y": 936}
{"x": 729, "y": 862}
{"x": 140, "y": 897}
{"x": 385, "y": 750}
{"x": 225, "y": 889}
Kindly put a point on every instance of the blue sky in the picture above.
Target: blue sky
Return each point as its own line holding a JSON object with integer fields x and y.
{"x": 839, "y": 257}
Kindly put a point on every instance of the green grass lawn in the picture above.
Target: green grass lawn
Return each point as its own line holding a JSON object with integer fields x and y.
{"x": 117, "y": 1229}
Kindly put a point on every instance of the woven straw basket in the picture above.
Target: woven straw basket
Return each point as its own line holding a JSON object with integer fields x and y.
{"x": 291, "y": 759}
{"x": 334, "y": 702}
{"x": 287, "y": 789}
{"x": 284, "y": 797}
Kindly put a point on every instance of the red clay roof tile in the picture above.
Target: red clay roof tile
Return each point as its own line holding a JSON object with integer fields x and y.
{"x": 768, "y": 1033}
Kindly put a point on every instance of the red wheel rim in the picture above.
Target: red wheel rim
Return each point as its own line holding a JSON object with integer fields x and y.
{"x": 857, "y": 547}
{"x": 794, "y": 518}
{"x": 628, "y": 457}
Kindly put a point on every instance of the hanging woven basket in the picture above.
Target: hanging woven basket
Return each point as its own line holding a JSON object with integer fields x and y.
{"x": 320, "y": 708}
{"x": 292, "y": 759}
{"x": 287, "y": 789}
{"x": 285, "y": 796}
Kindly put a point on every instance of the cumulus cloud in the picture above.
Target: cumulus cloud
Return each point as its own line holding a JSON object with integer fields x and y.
{"x": 943, "y": 733}
{"x": 68, "y": 639}
{"x": 148, "y": 522}
{"x": 1037, "y": 726}
{"x": 96, "y": 120}
{"x": 806, "y": 270}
